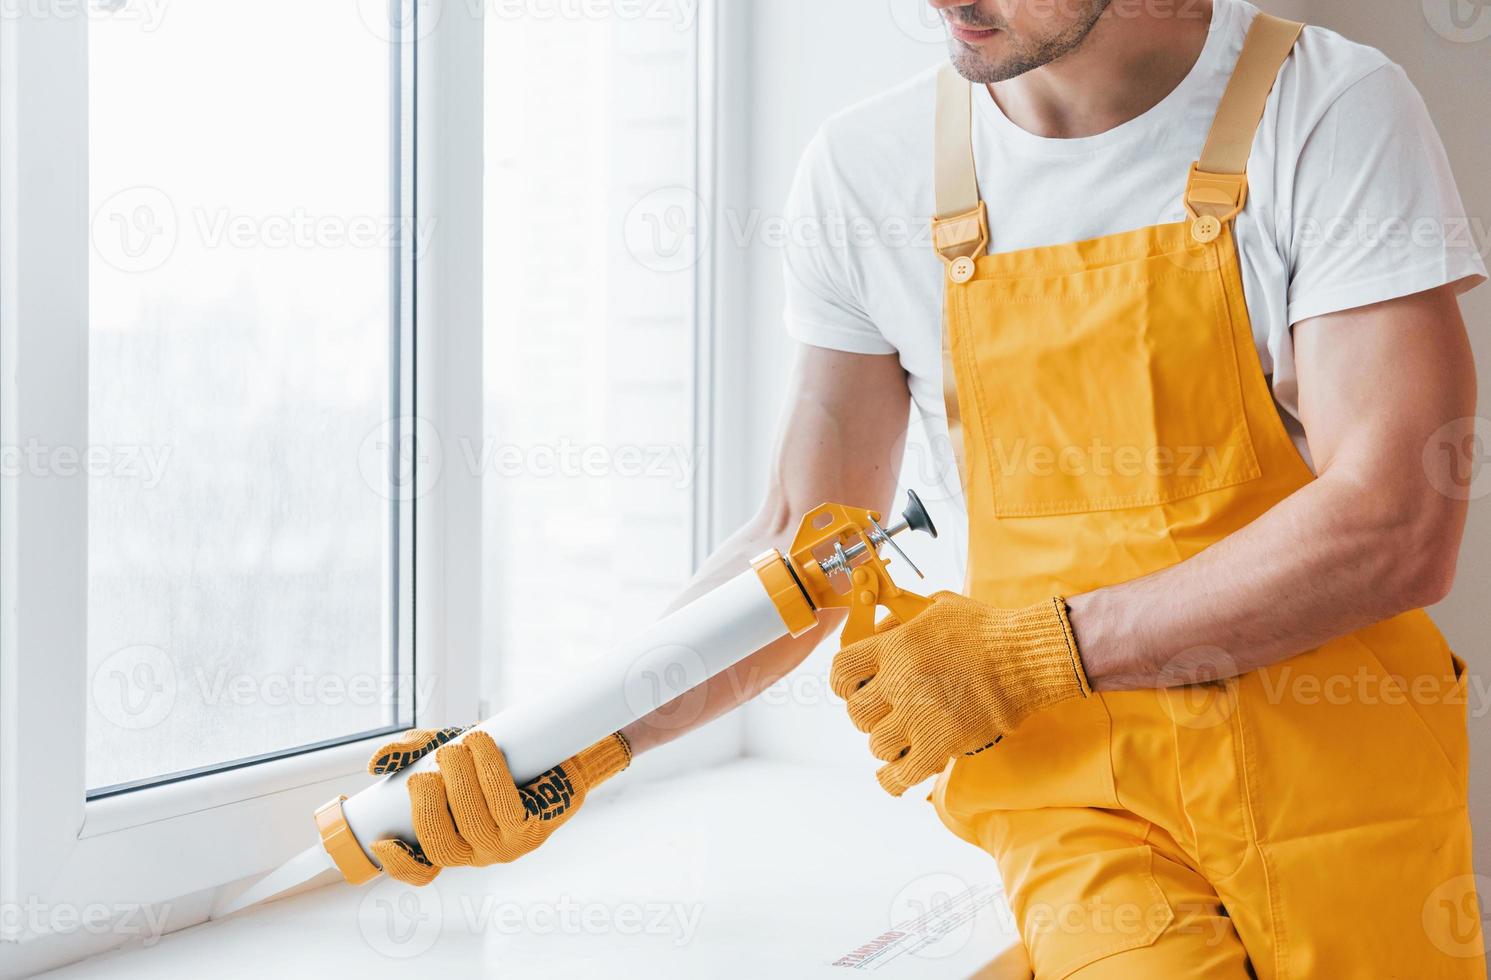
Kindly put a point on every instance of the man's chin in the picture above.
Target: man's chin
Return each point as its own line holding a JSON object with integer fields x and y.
{"x": 980, "y": 67}
{"x": 974, "y": 64}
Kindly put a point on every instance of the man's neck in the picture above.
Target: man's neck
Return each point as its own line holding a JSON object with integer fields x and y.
{"x": 1134, "y": 57}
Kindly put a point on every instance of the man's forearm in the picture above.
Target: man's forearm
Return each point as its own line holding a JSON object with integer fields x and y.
{"x": 835, "y": 444}
{"x": 733, "y": 687}
{"x": 1374, "y": 536}
{"x": 1333, "y": 558}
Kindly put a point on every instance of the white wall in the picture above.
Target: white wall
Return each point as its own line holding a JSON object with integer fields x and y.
{"x": 805, "y": 61}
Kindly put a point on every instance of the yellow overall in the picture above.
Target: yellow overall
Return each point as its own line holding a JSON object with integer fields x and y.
{"x": 1304, "y": 820}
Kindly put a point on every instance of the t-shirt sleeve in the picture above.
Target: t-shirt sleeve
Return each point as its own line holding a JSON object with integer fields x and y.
{"x": 824, "y": 304}
{"x": 1376, "y": 211}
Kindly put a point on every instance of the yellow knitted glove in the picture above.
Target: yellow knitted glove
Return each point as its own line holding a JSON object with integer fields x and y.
{"x": 954, "y": 681}
{"x": 470, "y": 813}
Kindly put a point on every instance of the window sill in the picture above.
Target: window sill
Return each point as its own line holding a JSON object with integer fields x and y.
{"x": 750, "y": 869}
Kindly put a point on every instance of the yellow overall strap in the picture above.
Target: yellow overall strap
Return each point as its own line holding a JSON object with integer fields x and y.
{"x": 1218, "y": 184}
{"x": 960, "y": 230}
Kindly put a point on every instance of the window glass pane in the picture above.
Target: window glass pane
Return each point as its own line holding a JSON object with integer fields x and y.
{"x": 244, "y": 298}
{"x": 591, "y": 253}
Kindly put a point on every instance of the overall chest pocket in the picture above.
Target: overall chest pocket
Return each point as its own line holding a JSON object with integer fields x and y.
{"x": 1103, "y": 389}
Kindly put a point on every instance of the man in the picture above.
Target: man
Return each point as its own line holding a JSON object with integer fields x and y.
{"x": 1188, "y": 314}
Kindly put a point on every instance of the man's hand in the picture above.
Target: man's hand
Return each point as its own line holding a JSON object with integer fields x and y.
{"x": 955, "y": 680}
{"x": 470, "y": 812}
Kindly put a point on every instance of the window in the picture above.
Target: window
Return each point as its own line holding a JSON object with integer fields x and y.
{"x": 252, "y": 411}
{"x": 220, "y": 420}
{"x": 595, "y": 423}
{"x": 245, "y": 328}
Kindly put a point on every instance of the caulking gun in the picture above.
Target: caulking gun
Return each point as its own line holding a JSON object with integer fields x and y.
{"x": 834, "y": 562}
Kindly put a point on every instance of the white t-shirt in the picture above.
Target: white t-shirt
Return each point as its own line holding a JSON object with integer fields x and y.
{"x": 1351, "y": 202}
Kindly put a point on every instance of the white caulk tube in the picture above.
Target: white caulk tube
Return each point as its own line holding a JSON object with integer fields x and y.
{"x": 668, "y": 659}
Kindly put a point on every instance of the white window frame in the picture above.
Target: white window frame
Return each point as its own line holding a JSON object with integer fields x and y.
{"x": 159, "y": 843}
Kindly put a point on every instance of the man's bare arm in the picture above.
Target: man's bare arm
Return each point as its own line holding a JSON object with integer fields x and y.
{"x": 1371, "y": 538}
{"x": 842, "y": 438}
